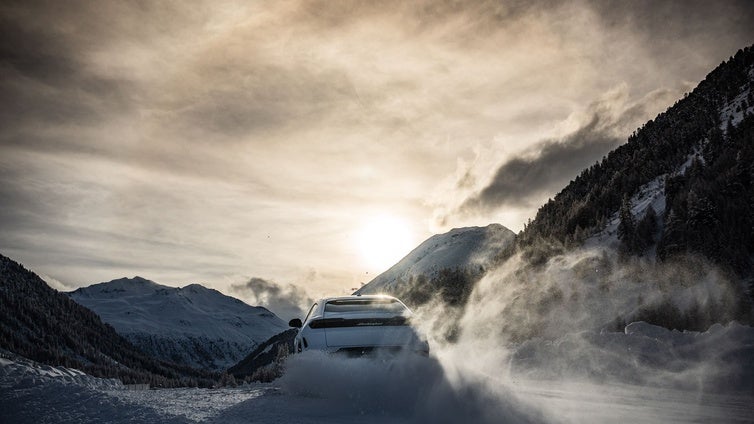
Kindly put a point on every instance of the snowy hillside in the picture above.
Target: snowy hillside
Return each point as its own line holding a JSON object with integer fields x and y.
{"x": 469, "y": 248}
{"x": 649, "y": 195}
{"x": 192, "y": 325}
{"x": 691, "y": 164}
{"x": 732, "y": 113}
{"x": 737, "y": 108}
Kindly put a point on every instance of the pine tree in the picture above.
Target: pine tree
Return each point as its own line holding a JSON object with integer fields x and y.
{"x": 627, "y": 226}
{"x": 646, "y": 229}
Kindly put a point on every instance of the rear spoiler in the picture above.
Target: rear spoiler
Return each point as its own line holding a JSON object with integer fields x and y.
{"x": 358, "y": 322}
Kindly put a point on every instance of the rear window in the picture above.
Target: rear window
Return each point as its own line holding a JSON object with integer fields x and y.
{"x": 365, "y": 305}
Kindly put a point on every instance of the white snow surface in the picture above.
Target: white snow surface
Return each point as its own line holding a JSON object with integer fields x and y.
{"x": 194, "y": 325}
{"x": 631, "y": 376}
{"x": 34, "y": 393}
{"x": 650, "y": 194}
{"x": 465, "y": 248}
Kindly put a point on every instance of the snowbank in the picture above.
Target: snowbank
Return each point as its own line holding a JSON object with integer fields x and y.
{"x": 19, "y": 372}
{"x": 37, "y": 394}
{"x": 34, "y": 393}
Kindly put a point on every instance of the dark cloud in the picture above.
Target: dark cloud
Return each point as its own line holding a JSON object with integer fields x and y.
{"x": 661, "y": 26}
{"x": 672, "y": 25}
{"x": 676, "y": 36}
{"x": 545, "y": 167}
{"x": 43, "y": 76}
{"x": 38, "y": 54}
{"x": 287, "y": 302}
{"x": 520, "y": 179}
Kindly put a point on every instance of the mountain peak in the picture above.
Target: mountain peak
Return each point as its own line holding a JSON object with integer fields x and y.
{"x": 119, "y": 287}
{"x": 134, "y": 279}
{"x": 468, "y": 248}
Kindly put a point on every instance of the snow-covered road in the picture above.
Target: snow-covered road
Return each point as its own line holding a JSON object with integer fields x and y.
{"x": 54, "y": 396}
{"x": 644, "y": 375}
{"x": 618, "y": 403}
{"x": 565, "y": 402}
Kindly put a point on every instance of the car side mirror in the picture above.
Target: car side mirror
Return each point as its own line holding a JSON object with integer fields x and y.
{"x": 295, "y": 323}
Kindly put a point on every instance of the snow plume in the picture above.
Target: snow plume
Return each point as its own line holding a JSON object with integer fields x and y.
{"x": 402, "y": 390}
{"x": 286, "y": 301}
{"x": 575, "y": 317}
{"x": 592, "y": 290}
{"x": 579, "y": 318}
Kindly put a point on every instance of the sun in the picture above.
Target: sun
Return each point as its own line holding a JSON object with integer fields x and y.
{"x": 384, "y": 240}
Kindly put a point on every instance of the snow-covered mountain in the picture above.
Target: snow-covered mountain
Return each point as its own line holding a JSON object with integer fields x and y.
{"x": 42, "y": 324}
{"x": 192, "y": 325}
{"x": 468, "y": 249}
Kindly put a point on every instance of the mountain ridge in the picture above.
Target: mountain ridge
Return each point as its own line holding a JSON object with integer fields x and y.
{"x": 192, "y": 325}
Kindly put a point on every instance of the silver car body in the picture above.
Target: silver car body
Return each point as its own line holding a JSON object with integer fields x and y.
{"x": 359, "y": 324}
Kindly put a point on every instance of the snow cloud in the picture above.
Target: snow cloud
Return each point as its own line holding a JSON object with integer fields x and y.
{"x": 287, "y": 301}
{"x": 568, "y": 319}
{"x": 533, "y": 332}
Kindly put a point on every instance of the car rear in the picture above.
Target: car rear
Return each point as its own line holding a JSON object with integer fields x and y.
{"x": 358, "y": 325}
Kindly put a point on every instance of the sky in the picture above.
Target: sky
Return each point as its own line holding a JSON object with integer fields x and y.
{"x": 303, "y": 147}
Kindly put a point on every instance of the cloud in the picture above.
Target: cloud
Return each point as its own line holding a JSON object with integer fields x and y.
{"x": 521, "y": 178}
{"x": 43, "y": 81}
{"x": 287, "y": 301}
{"x": 544, "y": 168}
{"x": 194, "y": 132}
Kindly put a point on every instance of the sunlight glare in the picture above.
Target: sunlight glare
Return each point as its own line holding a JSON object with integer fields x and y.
{"x": 384, "y": 240}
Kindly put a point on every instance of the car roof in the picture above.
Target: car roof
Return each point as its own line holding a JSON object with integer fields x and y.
{"x": 359, "y": 297}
